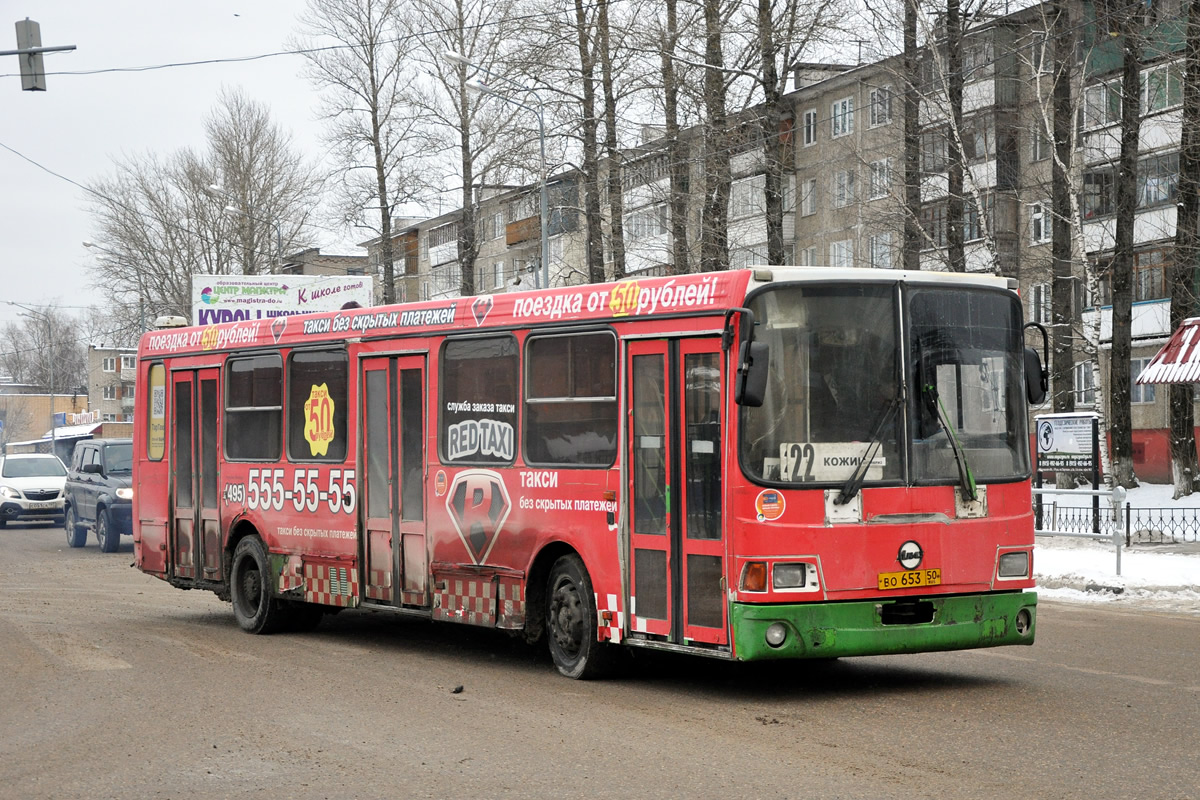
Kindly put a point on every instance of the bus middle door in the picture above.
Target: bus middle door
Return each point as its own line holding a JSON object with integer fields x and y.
{"x": 676, "y": 533}
{"x": 195, "y": 550}
{"x": 394, "y": 480}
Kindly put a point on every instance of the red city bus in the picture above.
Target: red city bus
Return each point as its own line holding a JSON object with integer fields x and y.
{"x": 755, "y": 464}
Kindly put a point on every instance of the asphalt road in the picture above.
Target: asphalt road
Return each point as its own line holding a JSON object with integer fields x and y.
{"x": 116, "y": 685}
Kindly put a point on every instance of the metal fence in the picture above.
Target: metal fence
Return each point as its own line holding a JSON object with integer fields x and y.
{"x": 1141, "y": 525}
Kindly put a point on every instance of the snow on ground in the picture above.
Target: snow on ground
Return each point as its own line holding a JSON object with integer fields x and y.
{"x": 1158, "y": 576}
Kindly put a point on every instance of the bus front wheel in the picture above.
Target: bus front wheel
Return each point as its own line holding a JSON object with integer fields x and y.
{"x": 254, "y": 604}
{"x": 571, "y": 622}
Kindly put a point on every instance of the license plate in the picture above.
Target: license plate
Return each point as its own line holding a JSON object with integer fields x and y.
{"x": 41, "y": 506}
{"x": 909, "y": 579}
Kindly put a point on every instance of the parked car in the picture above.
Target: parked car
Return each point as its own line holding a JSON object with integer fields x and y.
{"x": 31, "y": 487}
{"x": 99, "y": 493}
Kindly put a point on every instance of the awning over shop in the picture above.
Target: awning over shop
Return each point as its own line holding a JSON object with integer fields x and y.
{"x": 1179, "y": 359}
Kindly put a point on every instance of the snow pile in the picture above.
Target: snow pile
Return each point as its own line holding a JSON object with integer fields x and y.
{"x": 1152, "y": 576}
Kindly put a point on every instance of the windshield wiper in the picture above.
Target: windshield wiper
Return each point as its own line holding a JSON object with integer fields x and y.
{"x": 855, "y": 481}
{"x": 965, "y": 476}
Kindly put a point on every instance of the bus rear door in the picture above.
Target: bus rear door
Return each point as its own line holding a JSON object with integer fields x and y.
{"x": 195, "y": 550}
{"x": 676, "y": 533}
{"x": 394, "y": 480}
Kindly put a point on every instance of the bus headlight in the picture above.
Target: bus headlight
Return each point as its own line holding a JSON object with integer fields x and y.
{"x": 1014, "y": 565}
{"x": 776, "y": 634}
{"x": 125, "y": 494}
{"x": 789, "y": 576}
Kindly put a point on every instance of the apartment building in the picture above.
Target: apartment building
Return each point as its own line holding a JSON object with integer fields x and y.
{"x": 112, "y": 373}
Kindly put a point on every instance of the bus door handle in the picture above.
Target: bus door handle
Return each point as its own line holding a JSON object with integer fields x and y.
{"x": 346, "y": 498}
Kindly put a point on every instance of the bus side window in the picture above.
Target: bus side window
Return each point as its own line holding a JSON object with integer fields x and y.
{"x": 254, "y": 408}
{"x": 317, "y": 405}
{"x": 571, "y": 400}
{"x": 479, "y": 400}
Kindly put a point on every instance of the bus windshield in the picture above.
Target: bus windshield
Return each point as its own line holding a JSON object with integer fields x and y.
{"x": 834, "y": 371}
{"x": 966, "y": 368}
{"x": 835, "y": 377}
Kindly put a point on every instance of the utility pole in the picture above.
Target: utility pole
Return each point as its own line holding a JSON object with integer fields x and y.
{"x": 29, "y": 52}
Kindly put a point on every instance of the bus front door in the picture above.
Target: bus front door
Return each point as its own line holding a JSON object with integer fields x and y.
{"x": 195, "y": 550}
{"x": 677, "y": 584}
{"x": 394, "y": 480}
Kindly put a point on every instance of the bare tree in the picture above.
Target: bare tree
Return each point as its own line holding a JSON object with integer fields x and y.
{"x": 587, "y": 30}
{"x": 714, "y": 215}
{"x": 158, "y": 221}
{"x": 476, "y": 128}
{"x": 44, "y": 349}
{"x": 362, "y": 75}
{"x": 1128, "y": 14}
{"x": 1185, "y": 473}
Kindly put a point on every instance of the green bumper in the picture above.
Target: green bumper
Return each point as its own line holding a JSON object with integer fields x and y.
{"x": 856, "y": 628}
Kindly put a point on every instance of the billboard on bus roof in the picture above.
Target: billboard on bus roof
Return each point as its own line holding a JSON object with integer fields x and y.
{"x": 235, "y": 298}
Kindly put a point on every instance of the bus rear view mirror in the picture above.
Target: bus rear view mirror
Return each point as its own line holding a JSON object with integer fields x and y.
{"x": 1036, "y": 379}
{"x": 751, "y": 386}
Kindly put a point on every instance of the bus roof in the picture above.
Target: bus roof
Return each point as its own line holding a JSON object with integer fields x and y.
{"x": 699, "y": 293}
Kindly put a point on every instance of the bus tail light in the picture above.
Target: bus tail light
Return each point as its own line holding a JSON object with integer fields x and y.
{"x": 754, "y": 576}
{"x": 1014, "y": 565}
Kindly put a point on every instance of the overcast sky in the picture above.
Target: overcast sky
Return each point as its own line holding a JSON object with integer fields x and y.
{"x": 83, "y": 121}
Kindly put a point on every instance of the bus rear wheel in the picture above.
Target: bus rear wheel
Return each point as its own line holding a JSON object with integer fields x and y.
{"x": 254, "y": 604}
{"x": 571, "y": 622}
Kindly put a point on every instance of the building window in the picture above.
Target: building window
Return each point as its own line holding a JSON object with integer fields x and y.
{"x": 881, "y": 106}
{"x": 128, "y": 362}
{"x": 976, "y": 60}
{"x": 979, "y": 138}
{"x": 109, "y": 364}
{"x": 1039, "y": 303}
{"x": 806, "y": 257}
{"x": 110, "y": 393}
{"x": 498, "y": 225}
{"x": 571, "y": 400}
{"x": 498, "y": 275}
{"x": 746, "y": 196}
{"x": 1085, "y": 387}
{"x": 841, "y": 254}
{"x": 933, "y": 150}
{"x": 1158, "y": 179}
{"x": 1161, "y": 88}
{"x": 880, "y": 250}
{"x": 841, "y": 114}
{"x": 933, "y": 223}
{"x": 1043, "y": 142}
{"x": 1039, "y": 223}
{"x": 881, "y": 178}
{"x": 1039, "y": 53}
{"x": 810, "y": 127}
{"x": 1139, "y": 393}
{"x": 976, "y": 225}
{"x": 808, "y": 197}
{"x": 843, "y": 188}
{"x": 647, "y": 222}
{"x": 1102, "y": 104}
{"x": 1097, "y": 193}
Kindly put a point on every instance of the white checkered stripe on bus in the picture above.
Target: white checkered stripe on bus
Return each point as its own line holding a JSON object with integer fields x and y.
{"x": 330, "y": 585}
{"x": 468, "y": 600}
{"x": 379, "y": 584}
{"x": 510, "y": 612}
{"x": 610, "y": 617}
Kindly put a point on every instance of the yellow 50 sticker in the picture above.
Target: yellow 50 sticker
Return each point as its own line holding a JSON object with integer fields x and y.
{"x": 318, "y": 419}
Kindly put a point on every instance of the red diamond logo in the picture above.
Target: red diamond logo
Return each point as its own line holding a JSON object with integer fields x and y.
{"x": 478, "y": 504}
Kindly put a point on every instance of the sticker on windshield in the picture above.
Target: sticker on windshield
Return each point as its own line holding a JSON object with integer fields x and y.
{"x": 826, "y": 461}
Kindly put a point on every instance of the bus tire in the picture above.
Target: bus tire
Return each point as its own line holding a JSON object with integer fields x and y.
{"x": 571, "y": 622}
{"x": 76, "y": 535}
{"x": 255, "y": 606}
{"x": 108, "y": 537}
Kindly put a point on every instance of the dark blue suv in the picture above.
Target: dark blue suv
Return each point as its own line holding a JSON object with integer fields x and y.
{"x": 99, "y": 492}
